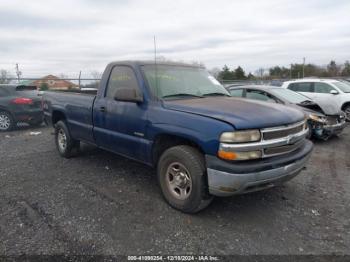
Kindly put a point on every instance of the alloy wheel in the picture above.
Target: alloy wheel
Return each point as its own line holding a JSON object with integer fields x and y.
{"x": 5, "y": 122}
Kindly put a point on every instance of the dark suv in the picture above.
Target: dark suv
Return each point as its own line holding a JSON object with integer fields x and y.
{"x": 19, "y": 104}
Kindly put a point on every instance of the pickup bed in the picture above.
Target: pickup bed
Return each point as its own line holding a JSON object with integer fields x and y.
{"x": 180, "y": 120}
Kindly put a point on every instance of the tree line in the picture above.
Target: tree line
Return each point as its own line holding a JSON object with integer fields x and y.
{"x": 280, "y": 72}
{"x": 277, "y": 72}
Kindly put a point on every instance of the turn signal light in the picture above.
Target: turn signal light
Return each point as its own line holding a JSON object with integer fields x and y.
{"x": 227, "y": 155}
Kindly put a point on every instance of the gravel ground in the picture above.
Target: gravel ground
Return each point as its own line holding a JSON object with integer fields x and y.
{"x": 100, "y": 203}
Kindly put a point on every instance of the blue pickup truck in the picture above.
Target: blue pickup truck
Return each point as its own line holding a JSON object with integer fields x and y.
{"x": 182, "y": 121}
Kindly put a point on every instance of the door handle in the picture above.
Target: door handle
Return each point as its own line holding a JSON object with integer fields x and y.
{"x": 103, "y": 109}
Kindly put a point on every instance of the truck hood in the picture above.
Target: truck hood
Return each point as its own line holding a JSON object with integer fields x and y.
{"x": 240, "y": 113}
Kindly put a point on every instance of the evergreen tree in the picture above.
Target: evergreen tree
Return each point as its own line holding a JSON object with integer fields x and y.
{"x": 226, "y": 73}
{"x": 239, "y": 73}
{"x": 44, "y": 86}
{"x": 346, "y": 69}
{"x": 333, "y": 69}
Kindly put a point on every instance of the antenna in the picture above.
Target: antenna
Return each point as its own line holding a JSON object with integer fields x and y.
{"x": 155, "y": 63}
{"x": 155, "y": 50}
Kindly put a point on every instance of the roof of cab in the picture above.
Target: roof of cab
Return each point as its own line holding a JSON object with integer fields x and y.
{"x": 152, "y": 62}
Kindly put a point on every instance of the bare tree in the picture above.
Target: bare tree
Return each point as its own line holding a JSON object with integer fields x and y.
{"x": 96, "y": 74}
{"x": 260, "y": 72}
{"x": 215, "y": 72}
{"x": 62, "y": 76}
{"x": 4, "y": 76}
{"x": 198, "y": 63}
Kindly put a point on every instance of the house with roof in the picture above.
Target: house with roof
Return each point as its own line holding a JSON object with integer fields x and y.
{"x": 54, "y": 83}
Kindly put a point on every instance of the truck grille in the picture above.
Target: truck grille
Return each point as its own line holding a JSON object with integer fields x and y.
{"x": 288, "y": 134}
{"x": 274, "y": 141}
{"x": 282, "y": 149}
{"x": 280, "y": 132}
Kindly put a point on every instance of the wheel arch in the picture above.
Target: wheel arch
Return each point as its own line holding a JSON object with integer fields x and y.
{"x": 57, "y": 115}
{"x": 164, "y": 141}
{"x": 346, "y": 104}
{"x": 2, "y": 109}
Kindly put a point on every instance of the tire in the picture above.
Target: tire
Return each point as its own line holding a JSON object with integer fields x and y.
{"x": 309, "y": 133}
{"x": 182, "y": 178}
{"x": 66, "y": 145}
{"x": 347, "y": 112}
{"x": 7, "y": 122}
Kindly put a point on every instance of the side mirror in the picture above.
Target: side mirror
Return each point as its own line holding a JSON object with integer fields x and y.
{"x": 334, "y": 92}
{"x": 128, "y": 95}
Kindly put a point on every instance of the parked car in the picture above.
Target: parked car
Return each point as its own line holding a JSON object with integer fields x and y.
{"x": 19, "y": 104}
{"x": 182, "y": 121}
{"x": 324, "y": 121}
{"x": 320, "y": 90}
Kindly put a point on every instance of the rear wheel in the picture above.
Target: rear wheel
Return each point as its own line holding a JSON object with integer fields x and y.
{"x": 66, "y": 145}
{"x": 182, "y": 178}
{"x": 6, "y": 121}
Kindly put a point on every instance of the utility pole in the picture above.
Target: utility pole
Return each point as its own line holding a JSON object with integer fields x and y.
{"x": 303, "y": 67}
{"x": 18, "y": 73}
{"x": 79, "y": 78}
{"x": 290, "y": 72}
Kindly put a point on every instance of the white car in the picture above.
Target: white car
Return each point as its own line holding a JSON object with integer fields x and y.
{"x": 324, "y": 91}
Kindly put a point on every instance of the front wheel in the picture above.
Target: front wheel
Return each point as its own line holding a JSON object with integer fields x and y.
{"x": 6, "y": 121}
{"x": 347, "y": 113}
{"x": 66, "y": 145}
{"x": 182, "y": 178}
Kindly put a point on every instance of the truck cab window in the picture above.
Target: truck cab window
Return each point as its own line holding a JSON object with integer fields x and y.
{"x": 121, "y": 77}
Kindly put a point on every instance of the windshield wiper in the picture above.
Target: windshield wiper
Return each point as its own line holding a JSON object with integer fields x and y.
{"x": 182, "y": 94}
{"x": 216, "y": 94}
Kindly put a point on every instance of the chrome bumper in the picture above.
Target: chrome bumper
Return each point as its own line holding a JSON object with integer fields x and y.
{"x": 227, "y": 183}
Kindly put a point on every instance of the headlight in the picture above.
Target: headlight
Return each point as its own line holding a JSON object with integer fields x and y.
{"x": 240, "y": 136}
{"x": 317, "y": 118}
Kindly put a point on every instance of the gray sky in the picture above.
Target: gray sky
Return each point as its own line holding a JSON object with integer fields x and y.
{"x": 67, "y": 36}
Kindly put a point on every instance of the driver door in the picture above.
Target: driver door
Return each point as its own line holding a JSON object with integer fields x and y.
{"x": 119, "y": 125}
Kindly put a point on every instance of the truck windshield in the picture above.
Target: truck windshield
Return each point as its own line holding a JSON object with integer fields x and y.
{"x": 182, "y": 82}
